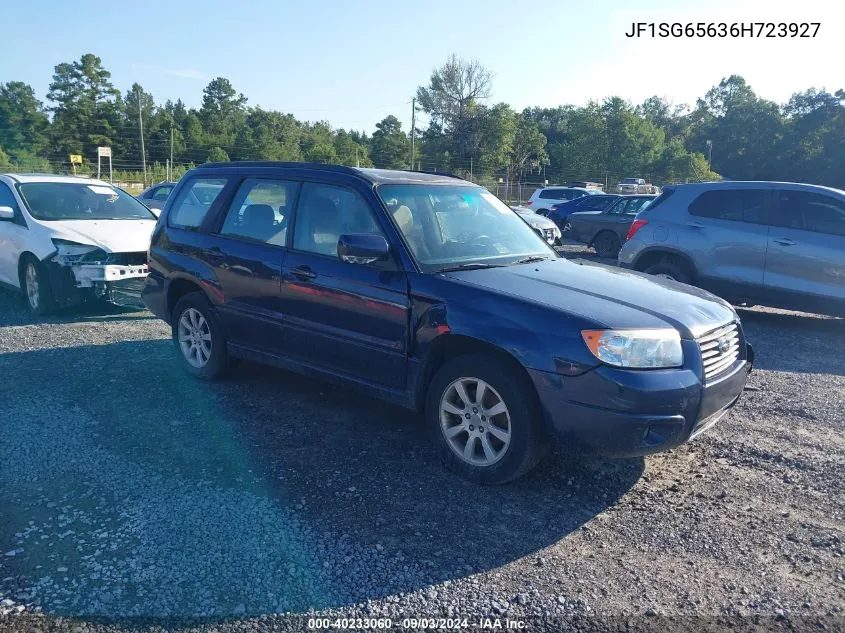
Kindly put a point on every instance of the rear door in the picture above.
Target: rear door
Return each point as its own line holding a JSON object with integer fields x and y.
{"x": 351, "y": 319}
{"x": 246, "y": 249}
{"x": 726, "y": 233}
{"x": 806, "y": 247}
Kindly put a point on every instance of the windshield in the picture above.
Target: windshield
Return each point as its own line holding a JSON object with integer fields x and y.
{"x": 448, "y": 226}
{"x": 629, "y": 181}
{"x": 81, "y": 201}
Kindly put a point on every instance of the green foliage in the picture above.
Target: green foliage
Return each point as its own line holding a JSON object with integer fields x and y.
{"x": 750, "y": 138}
{"x": 389, "y": 146}
{"x": 217, "y": 155}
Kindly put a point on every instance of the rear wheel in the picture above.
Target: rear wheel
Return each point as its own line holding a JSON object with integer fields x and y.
{"x": 198, "y": 337}
{"x": 36, "y": 287}
{"x": 484, "y": 419}
{"x": 607, "y": 244}
{"x": 670, "y": 270}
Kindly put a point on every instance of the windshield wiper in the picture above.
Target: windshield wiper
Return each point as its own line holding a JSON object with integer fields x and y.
{"x": 530, "y": 260}
{"x": 468, "y": 266}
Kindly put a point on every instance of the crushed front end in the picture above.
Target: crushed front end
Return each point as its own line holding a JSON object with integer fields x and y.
{"x": 80, "y": 272}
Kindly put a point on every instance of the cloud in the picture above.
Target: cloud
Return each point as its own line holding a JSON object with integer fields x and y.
{"x": 185, "y": 73}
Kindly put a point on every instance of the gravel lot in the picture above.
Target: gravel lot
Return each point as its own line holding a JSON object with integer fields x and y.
{"x": 133, "y": 496}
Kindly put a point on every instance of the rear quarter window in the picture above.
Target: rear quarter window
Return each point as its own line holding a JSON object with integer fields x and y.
{"x": 194, "y": 201}
{"x": 737, "y": 205}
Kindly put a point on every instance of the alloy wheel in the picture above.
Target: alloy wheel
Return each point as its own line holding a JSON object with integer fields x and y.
{"x": 475, "y": 421}
{"x": 194, "y": 338}
{"x": 33, "y": 294}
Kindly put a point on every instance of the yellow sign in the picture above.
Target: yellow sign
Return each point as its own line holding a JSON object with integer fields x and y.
{"x": 75, "y": 159}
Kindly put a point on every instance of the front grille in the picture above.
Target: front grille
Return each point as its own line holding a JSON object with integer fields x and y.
{"x": 719, "y": 349}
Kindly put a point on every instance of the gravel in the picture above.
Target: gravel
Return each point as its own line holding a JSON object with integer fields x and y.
{"x": 133, "y": 496}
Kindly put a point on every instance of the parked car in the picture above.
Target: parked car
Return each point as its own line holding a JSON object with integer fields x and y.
{"x": 547, "y": 229}
{"x": 635, "y": 185}
{"x": 65, "y": 240}
{"x": 560, "y": 212}
{"x": 543, "y": 199}
{"x": 770, "y": 243}
{"x": 429, "y": 292}
{"x": 154, "y": 197}
{"x": 606, "y": 230}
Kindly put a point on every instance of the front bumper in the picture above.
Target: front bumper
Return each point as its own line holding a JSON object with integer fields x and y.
{"x": 626, "y": 413}
{"x": 75, "y": 284}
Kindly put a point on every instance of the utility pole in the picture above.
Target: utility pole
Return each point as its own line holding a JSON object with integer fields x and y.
{"x": 170, "y": 171}
{"x": 413, "y": 129}
{"x": 709, "y": 153}
{"x": 357, "y": 162}
{"x": 470, "y": 167}
{"x": 141, "y": 124}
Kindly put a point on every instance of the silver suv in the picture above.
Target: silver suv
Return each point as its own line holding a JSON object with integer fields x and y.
{"x": 770, "y": 243}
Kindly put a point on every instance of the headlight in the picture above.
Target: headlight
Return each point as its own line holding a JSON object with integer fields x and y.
{"x": 69, "y": 252}
{"x": 638, "y": 349}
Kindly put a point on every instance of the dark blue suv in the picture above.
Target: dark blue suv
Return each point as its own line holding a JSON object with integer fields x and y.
{"x": 427, "y": 291}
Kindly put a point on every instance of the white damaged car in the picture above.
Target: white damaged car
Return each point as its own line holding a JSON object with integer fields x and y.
{"x": 65, "y": 240}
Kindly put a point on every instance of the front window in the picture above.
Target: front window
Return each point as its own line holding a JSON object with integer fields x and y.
{"x": 630, "y": 181}
{"x": 51, "y": 201}
{"x": 447, "y": 226}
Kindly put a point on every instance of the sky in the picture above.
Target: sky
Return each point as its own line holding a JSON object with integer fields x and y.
{"x": 354, "y": 62}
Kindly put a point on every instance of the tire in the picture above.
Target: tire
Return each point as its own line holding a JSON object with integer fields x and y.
{"x": 36, "y": 287}
{"x": 519, "y": 443}
{"x": 607, "y": 245}
{"x": 670, "y": 270}
{"x": 198, "y": 337}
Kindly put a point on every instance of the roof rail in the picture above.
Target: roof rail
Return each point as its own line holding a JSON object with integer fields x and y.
{"x": 433, "y": 173}
{"x": 287, "y": 164}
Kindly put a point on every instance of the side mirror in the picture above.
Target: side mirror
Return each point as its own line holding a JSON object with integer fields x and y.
{"x": 362, "y": 248}
{"x": 7, "y": 213}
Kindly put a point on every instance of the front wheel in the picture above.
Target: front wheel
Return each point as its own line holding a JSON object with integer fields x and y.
{"x": 484, "y": 419}
{"x": 36, "y": 287}
{"x": 198, "y": 337}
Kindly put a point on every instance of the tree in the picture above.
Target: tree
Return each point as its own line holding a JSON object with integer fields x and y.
{"x": 349, "y": 152}
{"x": 86, "y": 107}
{"x": 390, "y": 147}
{"x": 452, "y": 89}
{"x": 217, "y": 155}
{"x": 138, "y": 103}
{"x": 23, "y": 122}
{"x": 222, "y": 112}
{"x": 528, "y": 149}
{"x": 5, "y": 161}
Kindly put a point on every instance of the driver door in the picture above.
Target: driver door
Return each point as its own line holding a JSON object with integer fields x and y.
{"x": 350, "y": 319}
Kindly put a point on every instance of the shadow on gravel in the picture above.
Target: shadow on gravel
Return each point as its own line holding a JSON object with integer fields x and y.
{"x": 795, "y": 342}
{"x": 132, "y": 490}
{"x": 14, "y": 312}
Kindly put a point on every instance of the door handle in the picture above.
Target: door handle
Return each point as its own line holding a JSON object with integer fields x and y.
{"x": 695, "y": 225}
{"x": 303, "y": 272}
{"x": 785, "y": 241}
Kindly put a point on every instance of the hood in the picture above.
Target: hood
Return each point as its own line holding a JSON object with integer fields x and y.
{"x": 113, "y": 236}
{"x": 537, "y": 221}
{"x": 606, "y": 296}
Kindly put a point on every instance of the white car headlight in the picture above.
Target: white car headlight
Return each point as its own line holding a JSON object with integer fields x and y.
{"x": 638, "y": 349}
{"x": 72, "y": 251}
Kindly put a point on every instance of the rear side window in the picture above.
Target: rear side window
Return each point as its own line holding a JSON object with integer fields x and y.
{"x": 596, "y": 203}
{"x": 553, "y": 194}
{"x": 260, "y": 211}
{"x": 737, "y": 205}
{"x": 194, "y": 200}
{"x": 810, "y": 212}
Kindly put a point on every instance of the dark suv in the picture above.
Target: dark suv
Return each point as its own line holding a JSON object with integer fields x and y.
{"x": 429, "y": 292}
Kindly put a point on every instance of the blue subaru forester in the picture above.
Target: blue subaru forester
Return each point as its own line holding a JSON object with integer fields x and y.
{"x": 427, "y": 291}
